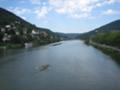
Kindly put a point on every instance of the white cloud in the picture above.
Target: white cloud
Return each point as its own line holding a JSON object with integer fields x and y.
{"x": 112, "y": 1}
{"x": 98, "y": 4}
{"x": 22, "y": 1}
{"x": 35, "y": 1}
{"x": 23, "y": 17}
{"x": 77, "y": 8}
{"x": 20, "y": 11}
{"x": 70, "y": 8}
{"x": 78, "y": 16}
{"x": 110, "y": 12}
{"x": 38, "y": 2}
{"x": 41, "y": 12}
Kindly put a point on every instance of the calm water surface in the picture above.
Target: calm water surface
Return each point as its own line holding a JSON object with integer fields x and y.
{"x": 73, "y": 66}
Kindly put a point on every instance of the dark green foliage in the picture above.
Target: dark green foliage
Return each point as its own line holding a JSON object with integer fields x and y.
{"x": 111, "y": 38}
{"x": 16, "y": 31}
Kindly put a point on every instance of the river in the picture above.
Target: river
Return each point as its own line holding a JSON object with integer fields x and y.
{"x": 72, "y": 66}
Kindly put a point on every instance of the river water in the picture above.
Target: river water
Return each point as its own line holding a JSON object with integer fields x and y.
{"x": 72, "y": 66}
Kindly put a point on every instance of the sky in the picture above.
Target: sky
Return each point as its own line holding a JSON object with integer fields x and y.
{"x": 67, "y": 16}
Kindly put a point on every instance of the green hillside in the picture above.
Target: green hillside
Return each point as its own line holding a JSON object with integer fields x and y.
{"x": 113, "y": 26}
{"x": 15, "y": 32}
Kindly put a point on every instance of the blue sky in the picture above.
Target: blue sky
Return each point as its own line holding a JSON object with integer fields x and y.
{"x": 68, "y": 16}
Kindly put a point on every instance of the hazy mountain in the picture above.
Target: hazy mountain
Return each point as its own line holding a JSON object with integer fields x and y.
{"x": 68, "y": 36}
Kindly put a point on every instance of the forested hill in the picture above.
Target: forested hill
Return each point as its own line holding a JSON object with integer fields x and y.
{"x": 110, "y": 27}
{"x": 14, "y": 31}
{"x": 108, "y": 34}
{"x": 68, "y": 36}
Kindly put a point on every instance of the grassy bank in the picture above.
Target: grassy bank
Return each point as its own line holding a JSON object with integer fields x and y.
{"x": 6, "y": 46}
{"x": 11, "y": 46}
{"x": 114, "y": 54}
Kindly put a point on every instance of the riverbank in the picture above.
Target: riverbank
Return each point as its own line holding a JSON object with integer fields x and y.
{"x": 109, "y": 50}
{"x": 6, "y": 49}
{"x": 25, "y": 45}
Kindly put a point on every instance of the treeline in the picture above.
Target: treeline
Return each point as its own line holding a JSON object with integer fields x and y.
{"x": 111, "y": 38}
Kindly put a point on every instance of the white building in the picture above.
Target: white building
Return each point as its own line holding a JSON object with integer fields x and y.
{"x": 8, "y": 26}
{"x": 28, "y": 45}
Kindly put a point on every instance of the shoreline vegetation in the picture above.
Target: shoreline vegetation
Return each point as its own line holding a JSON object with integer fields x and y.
{"x": 7, "y": 47}
{"x": 114, "y": 53}
{"x": 107, "y": 42}
{"x": 107, "y": 38}
{"x": 25, "y": 45}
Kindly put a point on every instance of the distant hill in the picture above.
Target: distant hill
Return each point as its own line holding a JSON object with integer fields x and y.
{"x": 15, "y": 30}
{"x": 113, "y": 26}
{"x": 68, "y": 36}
